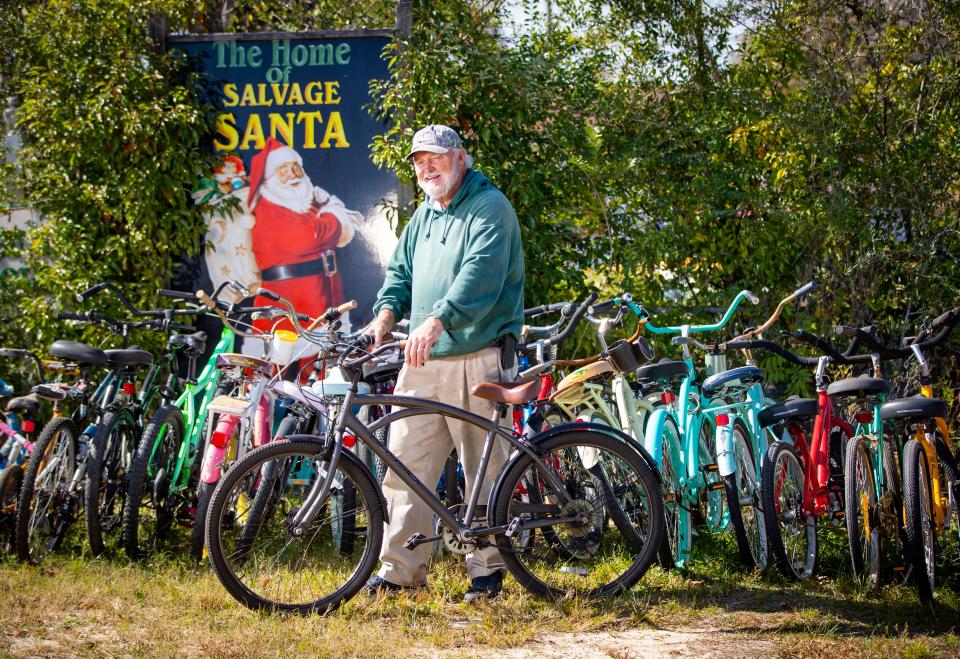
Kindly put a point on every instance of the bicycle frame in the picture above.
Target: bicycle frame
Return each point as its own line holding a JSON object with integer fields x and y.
{"x": 409, "y": 407}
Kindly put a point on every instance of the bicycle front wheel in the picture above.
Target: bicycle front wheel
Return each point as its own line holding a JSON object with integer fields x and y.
{"x": 253, "y": 550}
{"x": 581, "y": 552}
{"x": 105, "y": 490}
{"x": 918, "y": 512}
{"x": 791, "y": 532}
{"x": 744, "y": 502}
{"x": 860, "y": 500}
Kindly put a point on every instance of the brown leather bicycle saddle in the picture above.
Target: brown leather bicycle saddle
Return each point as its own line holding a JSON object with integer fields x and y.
{"x": 230, "y": 359}
{"x": 511, "y": 393}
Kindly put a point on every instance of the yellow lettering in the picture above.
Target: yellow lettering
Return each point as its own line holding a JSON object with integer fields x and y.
{"x": 279, "y": 92}
{"x": 248, "y": 97}
{"x": 262, "y": 90}
{"x": 284, "y": 128}
{"x": 226, "y": 127}
{"x": 334, "y": 132}
{"x": 230, "y": 92}
{"x": 306, "y": 118}
{"x": 333, "y": 93}
{"x": 314, "y": 93}
{"x": 295, "y": 97}
{"x": 253, "y": 133}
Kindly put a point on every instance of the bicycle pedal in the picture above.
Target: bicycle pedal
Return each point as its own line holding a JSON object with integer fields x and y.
{"x": 512, "y": 527}
{"x": 718, "y": 485}
{"x": 418, "y": 539}
{"x": 709, "y": 468}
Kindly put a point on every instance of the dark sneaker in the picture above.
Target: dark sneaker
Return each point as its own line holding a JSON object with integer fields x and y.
{"x": 484, "y": 588}
{"x": 377, "y": 584}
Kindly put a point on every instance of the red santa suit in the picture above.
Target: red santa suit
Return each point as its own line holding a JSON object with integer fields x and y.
{"x": 295, "y": 250}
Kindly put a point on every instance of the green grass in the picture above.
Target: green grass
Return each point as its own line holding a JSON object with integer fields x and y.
{"x": 75, "y": 605}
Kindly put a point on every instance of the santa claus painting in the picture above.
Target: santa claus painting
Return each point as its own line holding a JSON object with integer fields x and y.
{"x": 284, "y": 236}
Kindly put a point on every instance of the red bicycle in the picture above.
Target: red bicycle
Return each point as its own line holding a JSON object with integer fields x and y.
{"x": 802, "y": 474}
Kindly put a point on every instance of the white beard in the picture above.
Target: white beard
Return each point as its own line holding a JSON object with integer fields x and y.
{"x": 439, "y": 187}
{"x": 295, "y": 197}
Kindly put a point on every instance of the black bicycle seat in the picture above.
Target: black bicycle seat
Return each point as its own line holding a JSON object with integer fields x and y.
{"x": 789, "y": 409}
{"x": 861, "y": 386}
{"x": 663, "y": 370}
{"x": 28, "y": 403}
{"x": 77, "y": 352}
{"x": 197, "y": 342}
{"x": 129, "y": 357}
{"x": 914, "y": 407}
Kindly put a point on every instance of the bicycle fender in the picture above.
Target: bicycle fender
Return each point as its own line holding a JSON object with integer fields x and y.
{"x": 516, "y": 455}
{"x": 349, "y": 456}
{"x": 651, "y": 438}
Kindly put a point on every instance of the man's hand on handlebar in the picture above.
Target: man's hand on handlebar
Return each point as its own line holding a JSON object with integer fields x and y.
{"x": 380, "y": 326}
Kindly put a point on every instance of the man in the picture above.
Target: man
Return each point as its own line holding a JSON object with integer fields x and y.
{"x": 458, "y": 271}
{"x": 298, "y": 226}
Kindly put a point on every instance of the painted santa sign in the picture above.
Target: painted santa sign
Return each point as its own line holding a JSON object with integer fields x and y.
{"x": 296, "y": 203}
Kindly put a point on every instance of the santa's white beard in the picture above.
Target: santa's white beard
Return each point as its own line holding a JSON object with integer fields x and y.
{"x": 289, "y": 195}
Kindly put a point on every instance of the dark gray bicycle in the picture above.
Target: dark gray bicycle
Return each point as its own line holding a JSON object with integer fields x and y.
{"x": 270, "y": 526}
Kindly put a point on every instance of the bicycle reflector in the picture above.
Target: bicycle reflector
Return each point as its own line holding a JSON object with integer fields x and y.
{"x": 866, "y": 416}
{"x": 349, "y": 441}
{"x": 668, "y": 397}
{"x": 129, "y": 388}
{"x": 723, "y": 419}
{"x": 28, "y": 425}
{"x": 219, "y": 439}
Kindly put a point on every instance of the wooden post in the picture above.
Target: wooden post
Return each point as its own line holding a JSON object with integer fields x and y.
{"x": 406, "y": 193}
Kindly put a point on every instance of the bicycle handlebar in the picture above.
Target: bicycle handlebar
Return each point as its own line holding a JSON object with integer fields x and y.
{"x": 764, "y": 344}
{"x": 744, "y": 294}
{"x": 565, "y": 309}
{"x": 565, "y": 332}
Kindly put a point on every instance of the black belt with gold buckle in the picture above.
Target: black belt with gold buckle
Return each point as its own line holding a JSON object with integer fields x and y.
{"x": 327, "y": 264}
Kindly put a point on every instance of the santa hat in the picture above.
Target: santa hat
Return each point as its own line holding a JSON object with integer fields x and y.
{"x": 262, "y": 166}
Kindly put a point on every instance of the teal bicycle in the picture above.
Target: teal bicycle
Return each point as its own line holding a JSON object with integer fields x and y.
{"x": 707, "y": 440}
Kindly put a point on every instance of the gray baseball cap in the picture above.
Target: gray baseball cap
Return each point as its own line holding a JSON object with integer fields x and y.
{"x": 435, "y": 139}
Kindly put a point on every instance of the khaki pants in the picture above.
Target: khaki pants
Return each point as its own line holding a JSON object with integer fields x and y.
{"x": 423, "y": 444}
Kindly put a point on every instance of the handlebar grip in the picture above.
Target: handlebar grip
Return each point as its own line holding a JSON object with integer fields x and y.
{"x": 803, "y": 290}
{"x": 14, "y": 352}
{"x": 68, "y": 315}
{"x": 91, "y": 291}
{"x": 267, "y": 293}
{"x": 844, "y": 329}
{"x": 205, "y": 299}
{"x": 549, "y": 308}
{"x": 347, "y": 306}
{"x": 750, "y": 296}
{"x": 600, "y": 307}
{"x": 363, "y": 342}
{"x": 945, "y": 318}
{"x": 177, "y": 295}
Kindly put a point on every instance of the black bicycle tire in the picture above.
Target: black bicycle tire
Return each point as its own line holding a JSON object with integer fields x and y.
{"x": 168, "y": 416}
{"x": 198, "y": 530}
{"x": 865, "y": 571}
{"x": 366, "y": 488}
{"x": 732, "y": 492}
{"x": 96, "y": 459}
{"x": 665, "y": 553}
{"x": 914, "y": 468}
{"x": 27, "y": 490}
{"x": 768, "y": 492}
{"x": 508, "y": 480}
{"x": 617, "y": 515}
{"x": 11, "y": 481}
{"x": 348, "y": 526}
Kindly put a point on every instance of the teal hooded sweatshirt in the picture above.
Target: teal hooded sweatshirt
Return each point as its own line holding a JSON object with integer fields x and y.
{"x": 462, "y": 265}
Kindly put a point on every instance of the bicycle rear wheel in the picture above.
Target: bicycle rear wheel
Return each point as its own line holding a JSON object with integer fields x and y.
{"x": 105, "y": 490}
{"x": 791, "y": 533}
{"x": 592, "y": 558}
{"x": 860, "y": 500}
{"x": 744, "y": 502}
{"x": 256, "y": 556}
